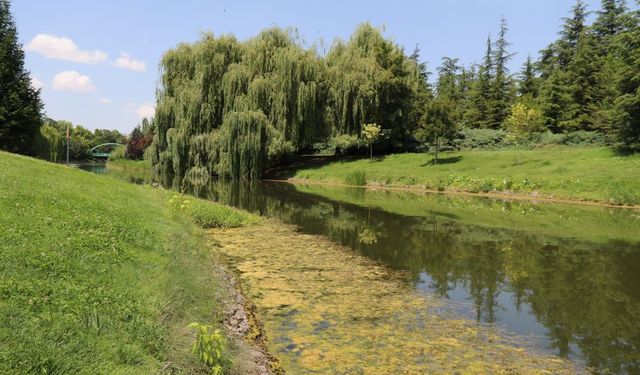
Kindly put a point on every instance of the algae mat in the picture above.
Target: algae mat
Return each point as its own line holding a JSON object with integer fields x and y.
{"x": 328, "y": 310}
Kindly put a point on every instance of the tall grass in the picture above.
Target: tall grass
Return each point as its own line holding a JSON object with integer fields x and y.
{"x": 357, "y": 177}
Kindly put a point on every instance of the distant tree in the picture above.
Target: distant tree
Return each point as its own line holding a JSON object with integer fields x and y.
{"x": 528, "y": 85}
{"x": 448, "y": 85}
{"x": 573, "y": 29}
{"x": 20, "y": 105}
{"x": 627, "y": 105}
{"x": 141, "y": 137}
{"x": 610, "y": 20}
{"x": 501, "y": 87}
{"x": 523, "y": 121}
{"x": 438, "y": 123}
{"x": 371, "y": 132}
{"x": 477, "y": 113}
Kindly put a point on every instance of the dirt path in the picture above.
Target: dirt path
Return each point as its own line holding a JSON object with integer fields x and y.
{"x": 328, "y": 310}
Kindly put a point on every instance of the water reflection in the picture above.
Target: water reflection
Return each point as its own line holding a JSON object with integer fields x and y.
{"x": 568, "y": 275}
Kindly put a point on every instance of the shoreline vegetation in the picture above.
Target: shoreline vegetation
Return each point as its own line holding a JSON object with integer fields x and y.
{"x": 573, "y": 175}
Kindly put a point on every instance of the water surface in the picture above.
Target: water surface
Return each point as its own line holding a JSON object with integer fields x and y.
{"x": 567, "y": 277}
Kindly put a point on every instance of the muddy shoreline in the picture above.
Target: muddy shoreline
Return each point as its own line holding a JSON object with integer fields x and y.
{"x": 241, "y": 322}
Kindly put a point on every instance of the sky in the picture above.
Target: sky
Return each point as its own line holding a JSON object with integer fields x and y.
{"x": 96, "y": 62}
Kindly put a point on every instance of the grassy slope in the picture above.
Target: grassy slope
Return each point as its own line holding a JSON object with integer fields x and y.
{"x": 589, "y": 173}
{"x": 98, "y": 275}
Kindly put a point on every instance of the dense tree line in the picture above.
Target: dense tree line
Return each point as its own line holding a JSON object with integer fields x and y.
{"x": 232, "y": 108}
{"x": 50, "y": 142}
{"x": 587, "y": 80}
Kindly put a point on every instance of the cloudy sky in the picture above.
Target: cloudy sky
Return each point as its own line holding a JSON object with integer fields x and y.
{"x": 97, "y": 61}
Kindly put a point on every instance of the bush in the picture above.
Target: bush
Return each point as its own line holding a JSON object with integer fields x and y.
{"x": 208, "y": 214}
{"x": 485, "y": 139}
{"x": 356, "y": 178}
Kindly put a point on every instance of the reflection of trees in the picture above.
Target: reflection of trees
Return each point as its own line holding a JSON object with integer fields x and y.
{"x": 584, "y": 293}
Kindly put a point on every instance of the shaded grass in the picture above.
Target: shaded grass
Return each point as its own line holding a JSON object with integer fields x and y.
{"x": 98, "y": 275}
{"x": 580, "y": 173}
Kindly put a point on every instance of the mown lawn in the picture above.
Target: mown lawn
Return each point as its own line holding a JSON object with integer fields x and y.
{"x": 99, "y": 276}
{"x": 581, "y": 173}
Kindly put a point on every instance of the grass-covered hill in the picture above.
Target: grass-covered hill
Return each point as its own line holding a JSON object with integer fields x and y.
{"x": 575, "y": 173}
{"x": 99, "y": 276}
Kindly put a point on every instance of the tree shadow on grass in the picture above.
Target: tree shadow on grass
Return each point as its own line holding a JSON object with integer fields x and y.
{"x": 443, "y": 161}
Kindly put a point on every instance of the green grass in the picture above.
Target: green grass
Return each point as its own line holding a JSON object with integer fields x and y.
{"x": 99, "y": 276}
{"x": 207, "y": 214}
{"x": 578, "y": 173}
{"x": 136, "y": 171}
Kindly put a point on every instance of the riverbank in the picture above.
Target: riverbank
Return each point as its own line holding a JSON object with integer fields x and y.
{"x": 103, "y": 276}
{"x": 591, "y": 175}
{"x": 328, "y": 309}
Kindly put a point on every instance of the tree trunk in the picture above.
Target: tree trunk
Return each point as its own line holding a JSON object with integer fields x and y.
{"x": 437, "y": 149}
{"x": 370, "y": 150}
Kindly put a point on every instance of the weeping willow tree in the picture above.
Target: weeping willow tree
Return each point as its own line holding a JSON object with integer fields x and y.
{"x": 373, "y": 81}
{"x": 231, "y": 109}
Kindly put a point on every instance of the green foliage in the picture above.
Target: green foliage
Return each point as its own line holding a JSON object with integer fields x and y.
{"x": 523, "y": 121}
{"x": 20, "y": 105}
{"x": 371, "y": 132}
{"x": 51, "y": 142}
{"x": 207, "y": 214}
{"x": 235, "y": 108}
{"x": 357, "y": 177}
{"x": 210, "y": 346}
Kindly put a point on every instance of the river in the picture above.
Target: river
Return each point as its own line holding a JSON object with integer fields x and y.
{"x": 565, "y": 277}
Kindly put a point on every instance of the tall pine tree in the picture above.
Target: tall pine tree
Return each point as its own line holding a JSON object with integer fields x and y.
{"x": 501, "y": 88}
{"x": 477, "y": 114}
{"x": 20, "y": 105}
{"x": 627, "y": 105}
{"x": 528, "y": 85}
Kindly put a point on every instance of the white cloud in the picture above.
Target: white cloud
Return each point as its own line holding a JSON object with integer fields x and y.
{"x": 146, "y": 110}
{"x": 105, "y": 101}
{"x": 72, "y": 81}
{"x": 37, "y": 84}
{"x": 125, "y": 61}
{"x": 62, "y": 48}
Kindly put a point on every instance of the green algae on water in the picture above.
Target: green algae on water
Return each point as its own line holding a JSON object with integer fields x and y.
{"x": 327, "y": 310}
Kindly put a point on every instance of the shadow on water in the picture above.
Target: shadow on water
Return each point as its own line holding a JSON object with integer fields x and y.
{"x": 567, "y": 276}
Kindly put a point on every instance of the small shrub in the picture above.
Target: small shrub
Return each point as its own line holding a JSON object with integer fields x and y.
{"x": 356, "y": 178}
{"x": 208, "y": 214}
{"x": 210, "y": 345}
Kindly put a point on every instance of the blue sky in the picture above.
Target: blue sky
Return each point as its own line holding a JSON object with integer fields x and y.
{"x": 97, "y": 61}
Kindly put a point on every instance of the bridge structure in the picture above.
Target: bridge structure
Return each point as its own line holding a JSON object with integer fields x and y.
{"x": 99, "y": 150}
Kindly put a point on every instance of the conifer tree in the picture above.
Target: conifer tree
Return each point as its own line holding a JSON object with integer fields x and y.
{"x": 528, "y": 85}
{"x": 477, "y": 115}
{"x": 610, "y": 20}
{"x": 20, "y": 105}
{"x": 501, "y": 90}
{"x": 627, "y": 105}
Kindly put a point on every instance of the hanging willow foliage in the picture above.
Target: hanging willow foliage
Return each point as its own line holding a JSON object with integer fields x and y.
{"x": 231, "y": 108}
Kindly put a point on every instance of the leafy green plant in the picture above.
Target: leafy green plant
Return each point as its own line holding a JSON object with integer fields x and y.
{"x": 208, "y": 214}
{"x": 356, "y": 178}
{"x": 210, "y": 345}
